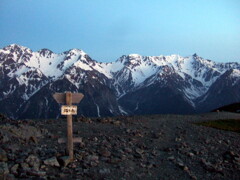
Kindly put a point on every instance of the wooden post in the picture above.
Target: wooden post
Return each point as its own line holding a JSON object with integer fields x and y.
{"x": 69, "y": 128}
{"x": 69, "y": 98}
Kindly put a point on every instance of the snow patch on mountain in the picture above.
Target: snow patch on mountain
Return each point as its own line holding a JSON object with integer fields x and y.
{"x": 122, "y": 110}
{"x": 83, "y": 66}
{"x": 126, "y": 74}
{"x": 48, "y": 65}
{"x": 6, "y": 92}
{"x": 235, "y": 73}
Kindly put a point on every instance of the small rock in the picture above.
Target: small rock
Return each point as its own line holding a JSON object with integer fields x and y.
{"x": 184, "y": 144}
{"x": 123, "y": 157}
{"x": 168, "y": 149}
{"x": 142, "y": 165}
{"x": 73, "y": 165}
{"x": 232, "y": 153}
{"x": 92, "y": 158}
{"x": 104, "y": 171}
{"x": 207, "y": 141}
{"x": 4, "y": 138}
{"x": 237, "y": 159}
{"x": 52, "y": 162}
{"x": 14, "y": 169}
{"x": 190, "y": 154}
{"x": 13, "y": 147}
{"x": 11, "y": 157}
{"x": 105, "y": 153}
{"x": 128, "y": 150}
{"x": 114, "y": 160}
{"x": 185, "y": 168}
{"x": 180, "y": 164}
{"x": 171, "y": 158}
{"x": 117, "y": 123}
{"x": 103, "y": 120}
{"x": 33, "y": 139}
{"x": 43, "y": 166}
{"x": 10, "y": 177}
{"x": 3, "y": 169}
{"x": 128, "y": 130}
{"x": 63, "y": 175}
{"x": 211, "y": 167}
{"x": 33, "y": 161}
{"x": 156, "y": 135}
{"x": 64, "y": 161}
{"x": 193, "y": 177}
{"x": 36, "y": 173}
{"x": 81, "y": 144}
{"x": 139, "y": 151}
{"x": 154, "y": 153}
{"x": 25, "y": 166}
{"x": 3, "y": 155}
{"x": 228, "y": 141}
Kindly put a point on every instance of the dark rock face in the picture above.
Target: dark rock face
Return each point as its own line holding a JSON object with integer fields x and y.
{"x": 16, "y": 92}
{"x": 152, "y": 100}
{"x": 164, "y": 95}
{"x": 224, "y": 91}
{"x": 133, "y": 84}
{"x": 97, "y": 101}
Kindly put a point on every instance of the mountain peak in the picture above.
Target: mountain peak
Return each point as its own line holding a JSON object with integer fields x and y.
{"x": 15, "y": 47}
{"x": 31, "y": 75}
{"x": 195, "y": 55}
{"x": 45, "y": 52}
{"x": 134, "y": 55}
{"x": 75, "y": 51}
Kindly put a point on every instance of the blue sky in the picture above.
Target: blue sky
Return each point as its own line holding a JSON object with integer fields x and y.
{"x": 107, "y": 29}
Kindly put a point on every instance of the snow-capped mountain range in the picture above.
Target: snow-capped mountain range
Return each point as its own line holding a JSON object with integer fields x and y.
{"x": 133, "y": 84}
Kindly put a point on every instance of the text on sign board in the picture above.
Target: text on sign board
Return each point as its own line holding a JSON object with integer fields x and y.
{"x": 69, "y": 110}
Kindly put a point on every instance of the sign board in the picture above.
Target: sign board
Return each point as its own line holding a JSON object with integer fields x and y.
{"x": 68, "y": 110}
{"x": 69, "y": 98}
{"x": 61, "y": 97}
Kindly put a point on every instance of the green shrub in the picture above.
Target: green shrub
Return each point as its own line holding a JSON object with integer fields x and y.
{"x": 228, "y": 125}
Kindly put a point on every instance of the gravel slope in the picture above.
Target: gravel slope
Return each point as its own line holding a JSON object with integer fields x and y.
{"x": 137, "y": 147}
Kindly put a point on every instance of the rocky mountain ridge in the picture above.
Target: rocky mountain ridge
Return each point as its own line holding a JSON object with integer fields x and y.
{"x": 133, "y": 84}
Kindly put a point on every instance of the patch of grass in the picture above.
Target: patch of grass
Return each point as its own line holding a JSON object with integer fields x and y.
{"x": 228, "y": 125}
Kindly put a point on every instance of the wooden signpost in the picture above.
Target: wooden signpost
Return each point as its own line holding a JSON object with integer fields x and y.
{"x": 69, "y": 98}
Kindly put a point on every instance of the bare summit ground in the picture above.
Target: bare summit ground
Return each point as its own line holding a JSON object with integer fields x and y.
{"x": 136, "y": 147}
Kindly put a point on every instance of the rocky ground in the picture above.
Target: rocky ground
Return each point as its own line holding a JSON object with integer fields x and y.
{"x": 137, "y": 147}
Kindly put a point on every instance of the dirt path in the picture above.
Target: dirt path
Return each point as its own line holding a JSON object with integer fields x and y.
{"x": 138, "y": 147}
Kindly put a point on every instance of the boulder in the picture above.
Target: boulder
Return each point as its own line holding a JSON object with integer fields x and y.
{"x": 52, "y": 162}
